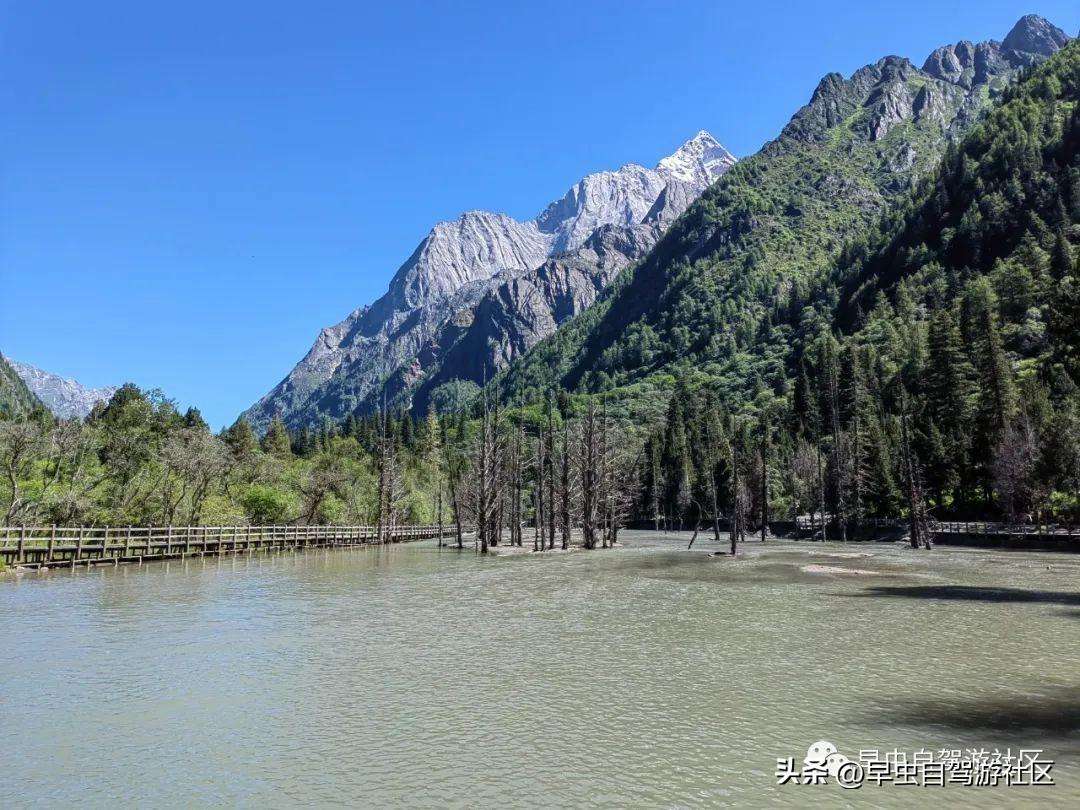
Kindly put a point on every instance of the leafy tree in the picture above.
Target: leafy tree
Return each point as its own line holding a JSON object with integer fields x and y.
{"x": 276, "y": 442}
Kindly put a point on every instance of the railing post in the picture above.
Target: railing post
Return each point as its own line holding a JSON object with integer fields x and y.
{"x": 22, "y": 545}
{"x": 52, "y": 543}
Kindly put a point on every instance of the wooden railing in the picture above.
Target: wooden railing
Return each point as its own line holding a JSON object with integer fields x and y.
{"x": 47, "y": 546}
{"x": 990, "y": 527}
{"x": 973, "y": 527}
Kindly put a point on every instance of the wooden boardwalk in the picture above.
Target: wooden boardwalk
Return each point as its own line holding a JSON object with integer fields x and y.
{"x": 963, "y": 527}
{"x": 55, "y": 546}
{"x": 805, "y": 523}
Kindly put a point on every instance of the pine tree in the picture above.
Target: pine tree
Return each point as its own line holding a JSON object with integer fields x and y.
{"x": 1063, "y": 322}
{"x": 1061, "y": 259}
{"x": 996, "y": 399}
{"x": 193, "y": 419}
{"x": 678, "y": 471}
{"x": 241, "y": 438}
{"x": 276, "y": 442}
{"x": 948, "y": 388}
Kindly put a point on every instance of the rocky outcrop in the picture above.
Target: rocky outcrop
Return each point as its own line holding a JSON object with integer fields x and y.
{"x": 66, "y": 398}
{"x": 515, "y": 315}
{"x": 967, "y": 65}
{"x": 1034, "y": 35}
{"x": 621, "y": 198}
{"x": 474, "y": 247}
{"x": 892, "y": 91}
{"x": 483, "y": 288}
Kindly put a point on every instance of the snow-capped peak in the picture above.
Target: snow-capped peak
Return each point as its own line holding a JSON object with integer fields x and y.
{"x": 698, "y": 161}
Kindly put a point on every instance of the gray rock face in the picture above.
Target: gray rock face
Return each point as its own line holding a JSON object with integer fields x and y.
{"x": 515, "y": 315}
{"x": 967, "y": 65}
{"x": 66, "y": 398}
{"x": 619, "y": 198}
{"x": 891, "y": 91}
{"x": 474, "y": 247}
{"x": 1033, "y": 34}
{"x": 483, "y": 288}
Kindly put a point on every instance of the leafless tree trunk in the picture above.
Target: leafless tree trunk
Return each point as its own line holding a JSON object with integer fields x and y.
{"x": 821, "y": 491}
{"x": 516, "y": 538}
{"x": 538, "y": 538}
{"x": 738, "y": 498}
{"x": 565, "y": 484}
{"x": 550, "y": 454}
{"x": 764, "y": 479}
{"x": 588, "y": 465}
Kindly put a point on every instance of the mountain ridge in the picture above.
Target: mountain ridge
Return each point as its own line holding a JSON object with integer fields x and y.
{"x": 389, "y": 347}
{"x": 65, "y": 397}
{"x": 762, "y": 235}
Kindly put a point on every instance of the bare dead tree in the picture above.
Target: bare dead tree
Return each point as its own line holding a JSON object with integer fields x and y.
{"x": 566, "y": 495}
{"x": 518, "y": 484}
{"x": 549, "y": 452}
{"x": 764, "y": 477}
{"x": 387, "y": 473}
{"x": 740, "y": 497}
{"x": 455, "y": 463}
{"x": 712, "y": 462}
{"x": 602, "y": 478}
{"x": 538, "y": 494}
{"x": 1014, "y": 458}
{"x": 489, "y": 480}
{"x": 588, "y": 452}
{"x": 623, "y": 484}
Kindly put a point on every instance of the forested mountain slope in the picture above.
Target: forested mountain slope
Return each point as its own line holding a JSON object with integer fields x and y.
{"x": 935, "y": 366}
{"x": 726, "y": 291}
{"x": 15, "y": 398}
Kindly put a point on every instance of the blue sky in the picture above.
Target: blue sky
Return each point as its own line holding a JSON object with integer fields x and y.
{"x": 190, "y": 191}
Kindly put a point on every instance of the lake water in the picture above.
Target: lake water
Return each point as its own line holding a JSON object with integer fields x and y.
{"x": 645, "y": 676}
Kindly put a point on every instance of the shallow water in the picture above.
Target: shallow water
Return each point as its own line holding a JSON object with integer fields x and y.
{"x": 646, "y": 676}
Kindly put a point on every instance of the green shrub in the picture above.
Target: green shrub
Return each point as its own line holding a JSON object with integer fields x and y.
{"x": 266, "y": 505}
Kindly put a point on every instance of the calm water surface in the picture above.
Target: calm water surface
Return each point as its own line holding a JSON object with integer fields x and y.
{"x": 648, "y": 676}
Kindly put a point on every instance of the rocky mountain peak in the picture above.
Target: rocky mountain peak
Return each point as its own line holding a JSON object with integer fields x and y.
{"x": 620, "y": 197}
{"x": 698, "y": 161}
{"x": 624, "y": 197}
{"x": 1033, "y": 34}
{"x": 475, "y": 246}
{"x": 893, "y": 90}
{"x": 66, "y": 398}
{"x": 967, "y": 64}
{"x": 437, "y": 290}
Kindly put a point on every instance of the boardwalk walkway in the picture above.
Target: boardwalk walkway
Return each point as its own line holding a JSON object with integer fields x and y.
{"x": 971, "y": 528}
{"x": 52, "y": 546}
